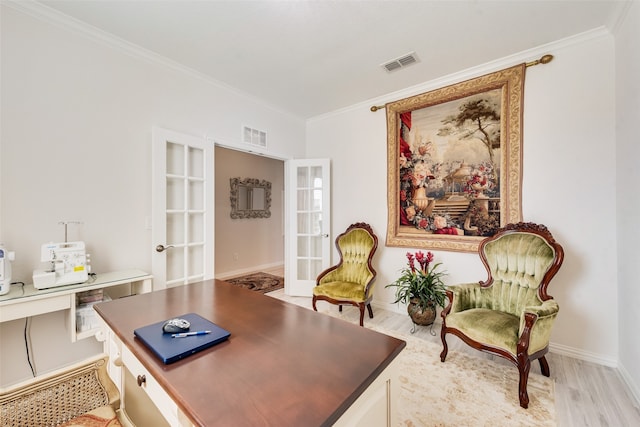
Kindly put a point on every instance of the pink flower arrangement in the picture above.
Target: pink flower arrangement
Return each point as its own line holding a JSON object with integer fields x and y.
{"x": 421, "y": 280}
{"x": 422, "y": 259}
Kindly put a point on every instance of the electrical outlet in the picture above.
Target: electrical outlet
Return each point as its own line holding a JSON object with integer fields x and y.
{"x": 235, "y": 256}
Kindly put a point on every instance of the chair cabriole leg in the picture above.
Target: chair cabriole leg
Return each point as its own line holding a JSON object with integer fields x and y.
{"x": 445, "y": 348}
{"x": 523, "y": 367}
{"x": 544, "y": 366}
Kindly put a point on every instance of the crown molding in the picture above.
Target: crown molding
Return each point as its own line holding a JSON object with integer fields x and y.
{"x": 51, "y": 16}
{"x": 473, "y": 72}
{"x": 617, "y": 19}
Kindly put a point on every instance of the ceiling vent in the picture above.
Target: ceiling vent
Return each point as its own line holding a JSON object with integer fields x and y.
{"x": 254, "y": 137}
{"x": 401, "y": 62}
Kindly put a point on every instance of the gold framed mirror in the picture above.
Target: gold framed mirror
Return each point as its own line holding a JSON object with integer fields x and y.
{"x": 250, "y": 198}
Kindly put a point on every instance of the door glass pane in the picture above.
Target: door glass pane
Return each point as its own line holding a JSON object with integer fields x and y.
{"x": 316, "y": 176}
{"x": 303, "y": 177}
{"x": 316, "y": 268}
{"x": 175, "y": 194}
{"x": 303, "y": 246}
{"x": 315, "y": 248}
{"x": 196, "y": 227}
{"x": 175, "y": 229}
{"x": 175, "y": 259}
{"x": 303, "y": 200}
{"x": 175, "y": 159}
{"x": 196, "y": 260}
{"x": 196, "y": 195}
{"x": 304, "y": 223}
{"x": 196, "y": 163}
{"x": 303, "y": 269}
{"x": 316, "y": 223}
{"x": 317, "y": 200}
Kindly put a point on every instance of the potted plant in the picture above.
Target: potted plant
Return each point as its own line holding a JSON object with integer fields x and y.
{"x": 420, "y": 287}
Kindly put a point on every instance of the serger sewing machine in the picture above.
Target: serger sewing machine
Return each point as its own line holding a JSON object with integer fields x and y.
{"x": 68, "y": 265}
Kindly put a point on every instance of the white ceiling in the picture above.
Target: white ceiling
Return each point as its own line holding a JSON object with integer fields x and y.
{"x": 313, "y": 57}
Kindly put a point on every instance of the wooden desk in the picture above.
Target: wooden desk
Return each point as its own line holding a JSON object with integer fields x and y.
{"x": 283, "y": 365}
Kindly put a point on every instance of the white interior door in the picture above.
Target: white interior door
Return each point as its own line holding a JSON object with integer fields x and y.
{"x": 182, "y": 220}
{"x": 308, "y": 224}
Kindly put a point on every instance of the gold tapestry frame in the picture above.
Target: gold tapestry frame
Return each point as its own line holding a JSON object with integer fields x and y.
{"x": 493, "y": 185}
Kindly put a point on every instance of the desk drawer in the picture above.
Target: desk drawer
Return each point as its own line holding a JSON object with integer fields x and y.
{"x": 21, "y": 308}
{"x": 156, "y": 393}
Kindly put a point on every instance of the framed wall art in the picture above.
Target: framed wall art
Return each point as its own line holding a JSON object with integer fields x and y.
{"x": 455, "y": 162}
{"x": 250, "y": 198}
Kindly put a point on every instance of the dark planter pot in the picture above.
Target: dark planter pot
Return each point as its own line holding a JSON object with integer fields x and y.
{"x": 421, "y": 316}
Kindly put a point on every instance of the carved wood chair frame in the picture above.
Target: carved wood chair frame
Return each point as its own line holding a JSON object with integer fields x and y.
{"x": 522, "y": 359}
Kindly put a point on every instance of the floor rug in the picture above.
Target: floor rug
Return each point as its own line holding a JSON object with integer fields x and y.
{"x": 259, "y": 282}
{"x": 464, "y": 391}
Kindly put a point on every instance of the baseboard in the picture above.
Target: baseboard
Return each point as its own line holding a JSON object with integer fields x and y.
{"x": 634, "y": 392}
{"x": 253, "y": 269}
{"x": 396, "y": 308}
{"x": 583, "y": 355}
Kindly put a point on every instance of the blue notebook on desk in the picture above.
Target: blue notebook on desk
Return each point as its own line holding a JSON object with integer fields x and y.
{"x": 170, "y": 349}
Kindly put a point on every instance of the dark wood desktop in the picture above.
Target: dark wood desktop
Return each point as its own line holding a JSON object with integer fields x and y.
{"x": 283, "y": 365}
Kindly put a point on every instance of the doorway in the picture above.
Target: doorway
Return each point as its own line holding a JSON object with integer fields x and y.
{"x": 247, "y": 245}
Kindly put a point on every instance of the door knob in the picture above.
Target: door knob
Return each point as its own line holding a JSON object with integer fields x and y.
{"x": 162, "y": 248}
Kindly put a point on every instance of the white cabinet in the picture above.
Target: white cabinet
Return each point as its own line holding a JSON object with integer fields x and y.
{"x": 377, "y": 405}
{"x": 152, "y": 388}
{"x": 123, "y": 361}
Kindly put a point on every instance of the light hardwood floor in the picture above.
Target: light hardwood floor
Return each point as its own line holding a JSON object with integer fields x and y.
{"x": 587, "y": 394}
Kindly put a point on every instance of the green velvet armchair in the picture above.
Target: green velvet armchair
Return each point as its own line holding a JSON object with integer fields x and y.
{"x": 510, "y": 314}
{"x": 350, "y": 281}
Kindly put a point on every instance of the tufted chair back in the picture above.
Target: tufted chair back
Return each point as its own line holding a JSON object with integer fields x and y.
{"x": 518, "y": 264}
{"x": 355, "y": 247}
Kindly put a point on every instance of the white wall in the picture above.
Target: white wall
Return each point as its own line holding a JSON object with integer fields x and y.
{"x": 628, "y": 174}
{"x": 77, "y": 114}
{"x": 568, "y": 183}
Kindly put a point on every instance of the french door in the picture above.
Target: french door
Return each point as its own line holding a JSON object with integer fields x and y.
{"x": 182, "y": 219}
{"x": 308, "y": 223}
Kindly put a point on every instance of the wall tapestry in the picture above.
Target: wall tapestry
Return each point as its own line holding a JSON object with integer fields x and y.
{"x": 455, "y": 162}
